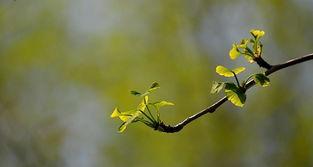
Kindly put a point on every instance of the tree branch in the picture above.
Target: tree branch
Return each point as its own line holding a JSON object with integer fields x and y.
{"x": 270, "y": 69}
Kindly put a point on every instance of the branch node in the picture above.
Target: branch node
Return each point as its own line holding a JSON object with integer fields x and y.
{"x": 262, "y": 63}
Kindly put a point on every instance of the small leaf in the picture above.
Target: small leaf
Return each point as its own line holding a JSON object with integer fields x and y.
{"x": 124, "y": 116}
{"x": 258, "y": 49}
{"x": 261, "y": 79}
{"x": 217, "y": 87}
{"x": 244, "y": 43}
{"x": 142, "y": 105}
{"x": 257, "y": 33}
{"x": 122, "y": 127}
{"x": 227, "y": 72}
{"x": 130, "y": 116}
{"x": 238, "y": 70}
{"x": 234, "y": 94}
{"x": 249, "y": 58}
{"x": 115, "y": 113}
{"x": 133, "y": 92}
{"x": 234, "y": 52}
{"x": 154, "y": 86}
{"x": 223, "y": 71}
{"x": 130, "y": 120}
{"x": 162, "y": 104}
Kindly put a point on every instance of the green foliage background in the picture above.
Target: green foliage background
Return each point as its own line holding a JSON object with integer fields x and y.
{"x": 65, "y": 65}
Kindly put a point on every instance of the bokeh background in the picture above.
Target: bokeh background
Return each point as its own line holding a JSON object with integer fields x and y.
{"x": 65, "y": 65}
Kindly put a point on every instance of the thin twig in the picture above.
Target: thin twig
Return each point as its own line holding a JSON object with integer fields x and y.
{"x": 270, "y": 69}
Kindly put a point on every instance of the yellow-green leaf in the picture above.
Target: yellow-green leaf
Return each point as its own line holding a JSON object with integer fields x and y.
{"x": 152, "y": 88}
{"x": 217, "y": 87}
{"x": 130, "y": 120}
{"x": 257, "y": 33}
{"x": 261, "y": 79}
{"x": 115, "y": 113}
{"x": 133, "y": 92}
{"x": 234, "y": 94}
{"x": 227, "y": 72}
{"x": 162, "y": 103}
{"x": 127, "y": 114}
{"x": 243, "y": 43}
{"x": 238, "y": 70}
{"x": 122, "y": 127}
{"x": 249, "y": 58}
{"x": 124, "y": 116}
{"x": 155, "y": 85}
{"x": 142, "y": 105}
{"x": 234, "y": 53}
{"x": 223, "y": 71}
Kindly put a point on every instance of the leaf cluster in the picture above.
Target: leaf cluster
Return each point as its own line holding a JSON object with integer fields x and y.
{"x": 251, "y": 49}
{"x": 146, "y": 112}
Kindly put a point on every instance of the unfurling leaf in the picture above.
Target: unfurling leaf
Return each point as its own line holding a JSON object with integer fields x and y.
{"x": 244, "y": 43}
{"x": 261, "y": 79}
{"x": 257, "y": 34}
{"x": 115, "y": 113}
{"x": 223, "y": 71}
{"x": 234, "y": 52}
{"x": 227, "y": 72}
{"x": 217, "y": 87}
{"x": 129, "y": 116}
{"x": 238, "y": 70}
{"x": 154, "y": 86}
{"x": 249, "y": 58}
{"x": 142, "y": 105}
{"x": 162, "y": 104}
{"x": 133, "y": 92}
{"x": 130, "y": 120}
{"x": 124, "y": 116}
{"x": 235, "y": 94}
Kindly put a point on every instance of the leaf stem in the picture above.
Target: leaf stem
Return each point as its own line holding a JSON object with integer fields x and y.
{"x": 147, "y": 116}
{"x": 249, "y": 77}
{"x": 150, "y": 113}
{"x": 238, "y": 84}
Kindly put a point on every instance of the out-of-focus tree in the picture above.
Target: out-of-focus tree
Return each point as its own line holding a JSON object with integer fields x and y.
{"x": 64, "y": 65}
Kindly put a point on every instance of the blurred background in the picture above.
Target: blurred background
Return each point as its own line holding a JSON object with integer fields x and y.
{"x": 65, "y": 65}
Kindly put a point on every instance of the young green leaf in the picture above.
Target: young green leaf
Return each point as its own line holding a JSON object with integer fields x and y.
{"x": 234, "y": 52}
{"x": 154, "y": 86}
{"x": 124, "y": 116}
{"x": 162, "y": 104}
{"x": 130, "y": 120}
{"x": 249, "y": 58}
{"x": 235, "y": 94}
{"x": 122, "y": 127}
{"x": 129, "y": 116}
{"x": 223, "y": 71}
{"x": 133, "y": 92}
{"x": 257, "y": 34}
{"x": 261, "y": 79}
{"x": 227, "y": 72}
{"x": 244, "y": 43}
{"x": 142, "y": 105}
{"x": 217, "y": 87}
{"x": 238, "y": 70}
{"x": 116, "y": 112}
